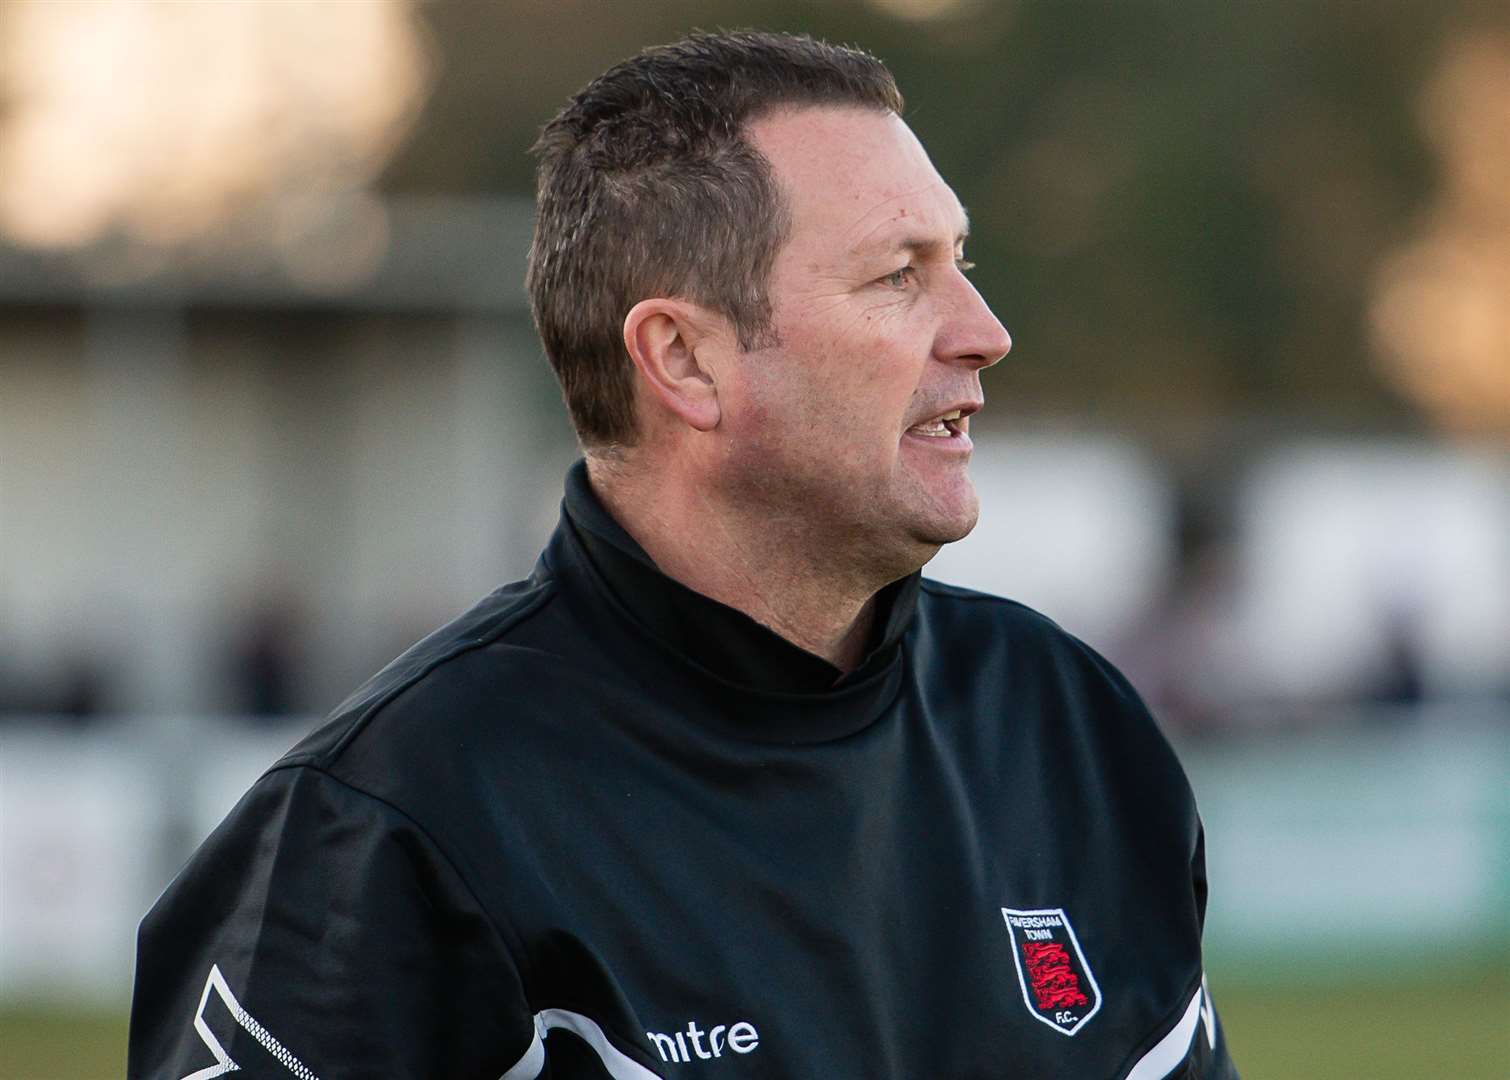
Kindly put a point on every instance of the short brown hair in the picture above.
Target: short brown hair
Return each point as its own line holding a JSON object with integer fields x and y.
{"x": 647, "y": 187}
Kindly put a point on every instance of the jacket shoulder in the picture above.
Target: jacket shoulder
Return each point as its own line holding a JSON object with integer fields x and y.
{"x": 1057, "y": 694}
{"x": 1012, "y": 631}
{"x": 963, "y": 610}
{"x": 989, "y": 605}
{"x": 422, "y": 672}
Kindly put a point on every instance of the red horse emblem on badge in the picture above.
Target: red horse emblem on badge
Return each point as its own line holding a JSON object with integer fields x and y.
{"x": 1055, "y": 984}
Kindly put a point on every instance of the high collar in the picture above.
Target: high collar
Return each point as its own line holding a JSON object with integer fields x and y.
{"x": 716, "y": 637}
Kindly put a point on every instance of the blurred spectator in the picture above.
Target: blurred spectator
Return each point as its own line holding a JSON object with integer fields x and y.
{"x": 1182, "y": 655}
{"x": 1400, "y": 678}
{"x": 266, "y": 661}
{"x": 81, "y": 687}
{"x": 75, "y": 689}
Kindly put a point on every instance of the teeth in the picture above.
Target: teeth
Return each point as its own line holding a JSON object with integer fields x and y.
{"x": 936, "y": 428}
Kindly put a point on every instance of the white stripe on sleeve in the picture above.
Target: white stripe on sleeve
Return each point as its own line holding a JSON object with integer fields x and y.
{"x": 532, "y": 1064}
{"x": 1169, "y": 1051}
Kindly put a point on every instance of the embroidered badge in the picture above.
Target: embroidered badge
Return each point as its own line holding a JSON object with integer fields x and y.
{"x": 1057, "y": 984}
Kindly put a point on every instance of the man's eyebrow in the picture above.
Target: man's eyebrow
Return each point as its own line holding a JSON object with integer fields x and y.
{"x": 914, "y": 242}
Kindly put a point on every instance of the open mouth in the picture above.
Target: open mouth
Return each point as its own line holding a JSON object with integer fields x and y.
{"x": 948, "y": 426}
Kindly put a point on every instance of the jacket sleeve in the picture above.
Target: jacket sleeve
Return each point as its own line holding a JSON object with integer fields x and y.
{"x": 1209, "y": 1058}
{"x": 319, "y": 933}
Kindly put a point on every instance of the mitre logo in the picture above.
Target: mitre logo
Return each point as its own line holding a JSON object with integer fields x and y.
{"x": 683, "y": 1046}
{"x": 1057, "y": 984}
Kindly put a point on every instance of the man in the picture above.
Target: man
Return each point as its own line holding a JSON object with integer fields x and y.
{"x": 724, "y": 788}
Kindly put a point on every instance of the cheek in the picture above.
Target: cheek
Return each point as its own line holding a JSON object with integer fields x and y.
{"x": 856, "y": 365}
{"x": 846, "y": 386}
{"x": 763, "y": 414}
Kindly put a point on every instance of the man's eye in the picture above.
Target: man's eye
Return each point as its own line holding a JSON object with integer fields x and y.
{"x": 965, "y": 265}
{"x": 898, "y": 279}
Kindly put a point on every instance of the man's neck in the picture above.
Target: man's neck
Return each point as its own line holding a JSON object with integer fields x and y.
{"x": 756, "y": 566}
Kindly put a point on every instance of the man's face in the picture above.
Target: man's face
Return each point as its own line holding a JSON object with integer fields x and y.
{"x": 878, "y": 336}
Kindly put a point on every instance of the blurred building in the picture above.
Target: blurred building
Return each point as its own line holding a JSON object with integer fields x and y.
{"x": 179, "y": 453}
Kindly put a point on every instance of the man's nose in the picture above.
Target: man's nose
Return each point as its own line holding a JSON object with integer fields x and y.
{"x": 974, "y": 335}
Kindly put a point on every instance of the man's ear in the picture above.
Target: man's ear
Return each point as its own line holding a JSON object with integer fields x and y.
{"x": 662, "y": 337}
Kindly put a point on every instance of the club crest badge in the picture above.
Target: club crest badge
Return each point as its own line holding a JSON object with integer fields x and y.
{"x": 1057, "y": 984}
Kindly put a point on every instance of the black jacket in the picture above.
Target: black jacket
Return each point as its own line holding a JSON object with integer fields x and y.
{"x": 602, "y": 826}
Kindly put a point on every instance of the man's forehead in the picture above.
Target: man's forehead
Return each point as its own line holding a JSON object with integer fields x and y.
{"x": 896, "y": 226}
{"x": 861, "y": 176}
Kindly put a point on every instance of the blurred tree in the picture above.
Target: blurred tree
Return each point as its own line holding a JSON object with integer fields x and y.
{"x": 1179, "y": 208}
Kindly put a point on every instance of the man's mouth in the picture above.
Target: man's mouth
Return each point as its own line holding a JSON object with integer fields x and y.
{"x": 946, "y": 426}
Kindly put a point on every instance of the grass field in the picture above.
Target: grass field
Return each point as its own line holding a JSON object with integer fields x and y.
{"x": 1441, "y": 1028}
{"x": 1433, "y": 1028}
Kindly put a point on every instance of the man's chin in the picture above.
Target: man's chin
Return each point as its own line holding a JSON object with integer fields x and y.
{"x": 945, "y": 504}
{"x": 938, "y": 536}
{"x": 947, "y": 526}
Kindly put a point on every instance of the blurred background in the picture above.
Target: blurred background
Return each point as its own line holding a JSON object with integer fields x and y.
{"x": 271, "y": 407}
